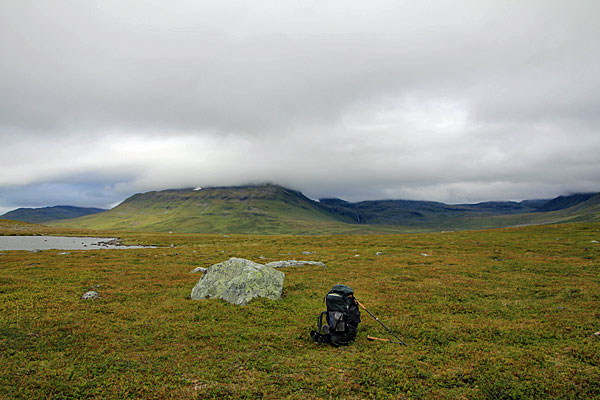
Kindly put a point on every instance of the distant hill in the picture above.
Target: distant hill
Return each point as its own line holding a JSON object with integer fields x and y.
{"x": 48, "y": 214}
{"x": 272, "y": 209}
{"x": 423, "y": 213}
{"x": 562, "y": 202}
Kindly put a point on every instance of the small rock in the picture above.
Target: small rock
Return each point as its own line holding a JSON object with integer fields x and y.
{"x": 91, "y": 295}
{"x": 425, "y": 254}
{"x": 357, "y": 255}
{"x": 261, "y": 257}
{"x": 35, "y": 251}
{"x": 594, "y": 241}
{"x": 198, "y": 269}
{"x": 172, "y": 245}
{"x": 597, "y": 333}
{"x": 64, "y": 253}
{"x": 307, "y": 253}
{"x": 379, "y": 253}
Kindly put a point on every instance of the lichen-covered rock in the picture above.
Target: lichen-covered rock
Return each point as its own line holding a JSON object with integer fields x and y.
{"x": 90, "y": 295}
{"x": 238, "y": 281}
{"x": 294, "y": 263}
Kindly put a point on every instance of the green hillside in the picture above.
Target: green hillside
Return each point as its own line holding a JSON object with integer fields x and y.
{"x": 585, "y": 211}
{"x": 246, "y": 209}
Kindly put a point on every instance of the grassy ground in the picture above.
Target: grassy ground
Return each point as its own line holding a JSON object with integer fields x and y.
{"x": 501, "y": 314}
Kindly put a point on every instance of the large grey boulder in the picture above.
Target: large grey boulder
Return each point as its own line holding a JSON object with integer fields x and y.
{"x": 238, "y": 281}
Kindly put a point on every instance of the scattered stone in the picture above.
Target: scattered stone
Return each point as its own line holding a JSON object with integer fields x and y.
{"x": 597, "y": 333}
{"x": 238, "y": 281}
{"x": 308, "y": 253}
{"x": 594, "y": 241}
{"x": 111, "y": 242}
{"x": 96, "y": 286}
{"x": 35, "y": 251}
{"x": 261, "y": 257}
{"x": 294, "y": 263}
{"x": 64, "y": 253}
{"x": 379, "y": 253}
{"x": 91, "y": 295}
{"x": 172, "y": 245}
{"x": 198, "y": 269}
{"x": 425, "y": 254}
{"x": 357, "y": 255}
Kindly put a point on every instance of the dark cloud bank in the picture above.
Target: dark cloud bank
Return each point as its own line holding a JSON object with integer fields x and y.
{"x": 450, "y": 101}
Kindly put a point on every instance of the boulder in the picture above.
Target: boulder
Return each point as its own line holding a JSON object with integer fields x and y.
{"x": 294, "y": 263}
{"x": 238, "y": 281}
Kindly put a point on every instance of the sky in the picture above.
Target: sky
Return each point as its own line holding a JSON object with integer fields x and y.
{"x": 461, "y": 101}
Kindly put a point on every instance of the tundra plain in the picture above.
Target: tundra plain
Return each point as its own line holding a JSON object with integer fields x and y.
{"x": 495, "y": 314}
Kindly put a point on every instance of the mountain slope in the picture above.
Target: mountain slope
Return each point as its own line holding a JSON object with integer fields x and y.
{"x": 271, "y": 209}
{"x": 47, "y": 214}
{"x": 562, "y": 202}
{"x": 244, "y": 209}
{"x": 423, "y": 213}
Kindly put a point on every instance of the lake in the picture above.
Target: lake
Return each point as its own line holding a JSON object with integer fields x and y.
{"x": 61, "y": 243}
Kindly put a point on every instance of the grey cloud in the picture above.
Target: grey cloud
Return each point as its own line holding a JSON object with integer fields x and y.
{"x": 438, "y": 100}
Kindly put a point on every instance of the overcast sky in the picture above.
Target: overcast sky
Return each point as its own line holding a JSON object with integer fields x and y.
{"x": 460, "y": 101}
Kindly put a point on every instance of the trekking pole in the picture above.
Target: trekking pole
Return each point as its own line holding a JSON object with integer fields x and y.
{"x": 382, "y": 324}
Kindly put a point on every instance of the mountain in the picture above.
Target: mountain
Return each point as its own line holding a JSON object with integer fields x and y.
{"x": 241, "y": 209}
{"x": 272, "y": 209}
{"x": 423, "y": 213}
{"x": 47, "y": 214}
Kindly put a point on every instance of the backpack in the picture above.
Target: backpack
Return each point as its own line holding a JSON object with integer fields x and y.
{"x": 342, "y": 318}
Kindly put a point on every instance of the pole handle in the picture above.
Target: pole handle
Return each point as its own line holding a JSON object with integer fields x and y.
{"x": 376, "y": 338}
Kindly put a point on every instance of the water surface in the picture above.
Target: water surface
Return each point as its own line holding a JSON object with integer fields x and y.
{"x": 61, "y": 243}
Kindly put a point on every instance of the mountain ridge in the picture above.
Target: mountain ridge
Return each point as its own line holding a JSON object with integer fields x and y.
{"x": 274, "y": 209}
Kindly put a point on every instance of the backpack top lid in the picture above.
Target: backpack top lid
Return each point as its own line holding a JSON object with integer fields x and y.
{"x": 338, "y": 298}
{"x": 342, "y": 289}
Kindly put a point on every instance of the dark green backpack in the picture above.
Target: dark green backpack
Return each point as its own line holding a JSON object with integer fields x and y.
{"x": 342, "y": 318}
